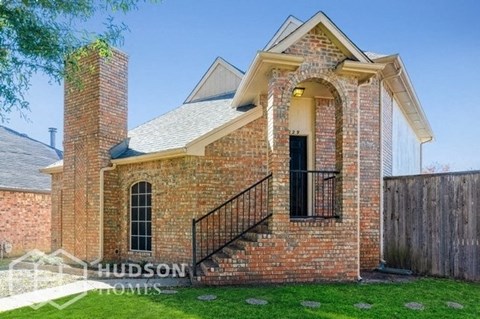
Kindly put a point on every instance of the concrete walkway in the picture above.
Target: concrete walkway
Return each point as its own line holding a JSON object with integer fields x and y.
{"x": 41, "y": 297}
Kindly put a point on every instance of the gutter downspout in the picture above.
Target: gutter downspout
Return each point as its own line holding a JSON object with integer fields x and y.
{"x": 381, "y": 86}
{"x": 101, "y": 212}
{"x": 369, "y": 82}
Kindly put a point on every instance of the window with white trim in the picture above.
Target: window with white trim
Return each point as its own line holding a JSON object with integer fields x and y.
{"x": 141, "y": 217}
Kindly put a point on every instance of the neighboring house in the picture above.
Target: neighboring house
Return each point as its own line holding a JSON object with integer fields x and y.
{"x": 308, "y": 132}
{"x": 25, "y": 201}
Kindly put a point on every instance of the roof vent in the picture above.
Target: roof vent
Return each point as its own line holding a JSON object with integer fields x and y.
{"x": 53, "y": 132}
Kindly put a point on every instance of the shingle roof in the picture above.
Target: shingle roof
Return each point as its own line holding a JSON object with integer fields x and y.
{"x": 374, "y": 55}
{"x": 180, "y": 126}
{"x": 20, "y": 160}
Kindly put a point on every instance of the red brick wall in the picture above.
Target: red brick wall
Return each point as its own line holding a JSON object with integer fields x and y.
{"x": 370, "y": 175}
{"x": 325, "y": 143}
{"x": 95, "y": 120}
{"x": 173, "y": 203}
{"x": 56, "y": 194}
{"x": 25, "y": 220}
{"x": 330, "y": 245}
{"x": 182, "y": 188}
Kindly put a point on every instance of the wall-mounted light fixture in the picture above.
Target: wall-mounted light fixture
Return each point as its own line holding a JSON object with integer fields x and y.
{"x": 298, "y": 91}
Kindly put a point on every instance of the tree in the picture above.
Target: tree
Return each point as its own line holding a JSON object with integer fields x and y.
{"x": 40, "y": 36}
{"x": 436, "y": 167}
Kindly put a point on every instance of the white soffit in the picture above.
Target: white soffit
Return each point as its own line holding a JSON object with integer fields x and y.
{"x": 402, "y": 88}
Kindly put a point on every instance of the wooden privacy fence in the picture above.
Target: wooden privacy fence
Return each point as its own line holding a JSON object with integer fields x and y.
{"x": 432, "y": 224}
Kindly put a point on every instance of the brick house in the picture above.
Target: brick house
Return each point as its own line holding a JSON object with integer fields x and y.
{"x": 25, "y": 203}
{"x": 272, "y": 175}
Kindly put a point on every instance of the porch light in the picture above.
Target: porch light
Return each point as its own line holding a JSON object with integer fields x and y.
{"x": 298, "y": 91}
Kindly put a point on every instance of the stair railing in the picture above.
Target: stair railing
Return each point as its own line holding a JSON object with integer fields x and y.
{"x": 229, "y": 221}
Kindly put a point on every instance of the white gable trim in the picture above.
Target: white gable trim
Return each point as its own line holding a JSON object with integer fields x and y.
{"x": 255, "y": 81}
{"x": 218, "y": 61}
{"x": 332, "y": 31}
{"x": 290, "y": 22}
{"x": 197, "y": 146}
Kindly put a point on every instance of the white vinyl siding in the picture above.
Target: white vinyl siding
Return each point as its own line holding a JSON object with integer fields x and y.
{"x": 405, "y": 145}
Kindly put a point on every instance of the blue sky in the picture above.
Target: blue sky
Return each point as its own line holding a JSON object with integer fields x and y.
{"x": 173, "y": 43}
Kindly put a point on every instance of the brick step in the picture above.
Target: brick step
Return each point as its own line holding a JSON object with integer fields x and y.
{"x": 208, "y": 266}
{"x": 258, "y": 237}
{"x": 232, "y": 260}
{"x": 222, "y": 258}
{"x": 233, "y": 250}
{"x": 244, "y": 243}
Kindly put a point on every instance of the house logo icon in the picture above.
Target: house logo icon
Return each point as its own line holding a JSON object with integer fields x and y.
{"x": 38, "y": 269}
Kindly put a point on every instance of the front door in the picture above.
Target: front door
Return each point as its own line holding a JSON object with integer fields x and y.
{"x": 298, "y": 176}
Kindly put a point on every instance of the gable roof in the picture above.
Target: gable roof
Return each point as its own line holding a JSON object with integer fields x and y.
{"x": 221, "y": 78}
{"x": 20, "y": 160}
{"x": 331, "y": 30}
{"x": 290, "y": 25}
{"x": 214, "y": 108}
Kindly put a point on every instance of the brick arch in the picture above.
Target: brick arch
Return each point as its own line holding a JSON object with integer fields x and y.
{"x": 329, "y": 80}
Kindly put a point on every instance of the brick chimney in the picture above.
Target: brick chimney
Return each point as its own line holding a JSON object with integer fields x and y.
{"x": 95, "y": 119}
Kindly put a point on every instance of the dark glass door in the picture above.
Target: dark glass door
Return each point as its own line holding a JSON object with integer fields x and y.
{"x": 298, "y": 176}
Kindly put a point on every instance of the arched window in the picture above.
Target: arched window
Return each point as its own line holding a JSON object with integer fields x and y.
{"x": 141, "y": 217}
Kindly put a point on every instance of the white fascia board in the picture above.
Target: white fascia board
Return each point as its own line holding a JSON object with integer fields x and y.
{"x": 256, "y": 77}
{"x": 291, "y": 20}
{"x": 330, "y": 28}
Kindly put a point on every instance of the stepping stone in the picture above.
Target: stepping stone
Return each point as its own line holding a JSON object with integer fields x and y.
{"x": 254, "y": 301}
{"x": 454, "y": 305}
{"x": 414, "y": 306}
{"x": 207, "y": 297}
{"x": 363, "y": 305}
{"x": 310, "y": 304}
{"x": 168, "y": 292}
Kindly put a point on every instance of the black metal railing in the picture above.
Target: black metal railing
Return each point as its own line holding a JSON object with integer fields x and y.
{"x": 312, "y": 194}
{"x": 229, "y": 221}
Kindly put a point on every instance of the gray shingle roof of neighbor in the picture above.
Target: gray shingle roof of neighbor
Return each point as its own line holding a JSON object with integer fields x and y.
{"x": 20, "y": 160}
{"x": 181, "y": 126}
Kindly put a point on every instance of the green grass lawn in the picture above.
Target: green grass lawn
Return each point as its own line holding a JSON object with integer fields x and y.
{"x": 336, "y": 300}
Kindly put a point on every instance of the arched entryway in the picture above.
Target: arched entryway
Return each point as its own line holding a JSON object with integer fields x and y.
{"x": 312, "y": 126}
